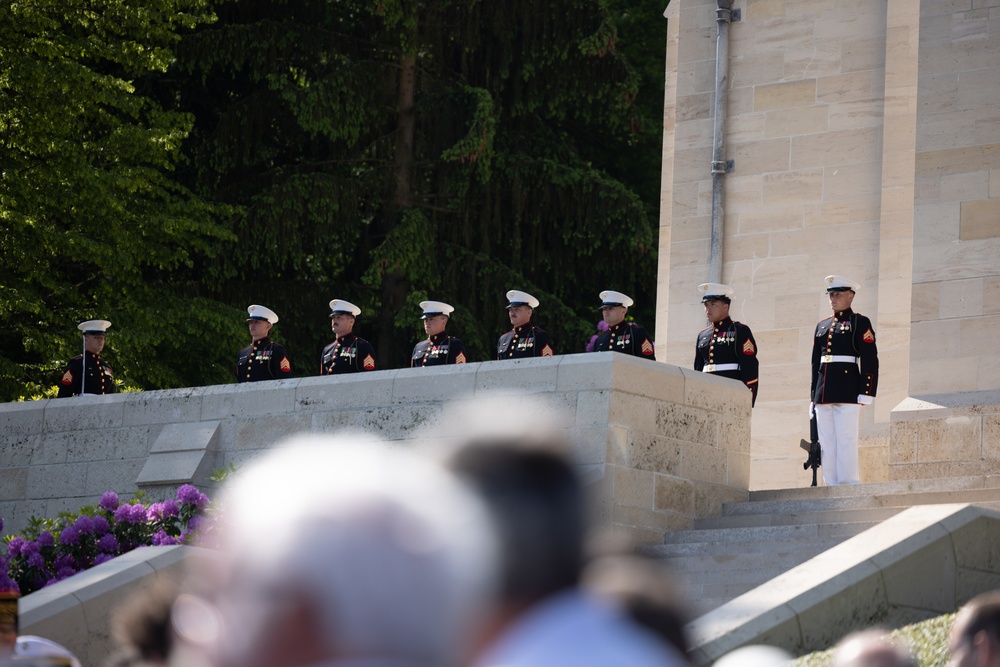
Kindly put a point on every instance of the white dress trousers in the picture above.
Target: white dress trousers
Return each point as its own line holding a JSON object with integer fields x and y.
{"x": 837, "y": 424}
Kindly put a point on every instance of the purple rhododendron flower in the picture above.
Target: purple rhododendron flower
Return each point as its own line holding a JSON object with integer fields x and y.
{"x": 195, "y": 522}
{"x": 28, "y": 548}
{"x": 63, "y": 560}
{"x": 14, "y": 547}
{"x": 155, "y": 512}
{"x": 109, "y": 501}
{"x": 101, "y": 525}
{"x": 45, "y": 539}
{"x": 123, "y": 514}
{"x": 102, "y": 558}
{"x": 69, "y": 535}
{"x": 84, "y": 524}
{"x": 170, "y": 508}
{"x": 161, "y": 539}
{"x": 138, "y": 513}
{"x": 108, "y": 543}
{"x": 36, "y": 560}
{"x": 65, "y": 572}
{"x": 187, "y": 494}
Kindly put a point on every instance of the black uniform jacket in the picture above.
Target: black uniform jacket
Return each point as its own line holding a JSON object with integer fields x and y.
{"x": 347, "y": 354}
{"x": 438, "y": 350}
{"x": 726, "y": 343}
{"x": 844, "y": 335}
{"x": 525, "y": 341}
{"x": 627, "y": 337}
{"x": 263, "y": 360}
{"x": 99, "y": 378}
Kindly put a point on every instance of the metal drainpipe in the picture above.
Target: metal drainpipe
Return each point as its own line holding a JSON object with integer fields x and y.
{"x": 724, "y": 15}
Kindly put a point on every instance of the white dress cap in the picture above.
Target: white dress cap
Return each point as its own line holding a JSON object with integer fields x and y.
{"x": 519, "y": 298}
{"x": 711, "y": 291}
{"x": 261, "y": 313}
{"x": 40, "y": 651}
{"x": 610, "y": 297}
{"x": 432, "y": 308}
{"x": 841, "y": 284}
{"x": 94, "y": 327}
{"x": 341, "y": 307}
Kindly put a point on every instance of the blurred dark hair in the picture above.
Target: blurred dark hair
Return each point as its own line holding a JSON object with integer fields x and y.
{"x": 537, "y": 501}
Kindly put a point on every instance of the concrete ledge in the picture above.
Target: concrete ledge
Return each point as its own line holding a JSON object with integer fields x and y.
{"x": 912, "y": 566}
{"x": 671, "y": 443}
{"x": 76, "y": 612}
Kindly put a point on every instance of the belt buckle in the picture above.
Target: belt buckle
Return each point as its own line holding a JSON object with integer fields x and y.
{"x": 709, "y": 368}
{"x": 827, "y": 359}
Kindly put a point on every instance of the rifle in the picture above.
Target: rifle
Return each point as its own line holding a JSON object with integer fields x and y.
{"x": 812, "y": 447}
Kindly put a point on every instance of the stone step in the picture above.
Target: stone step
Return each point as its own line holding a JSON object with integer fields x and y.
{"x": 874, "y": 514}
{"x": 766, "y": 533}
{"x": 713, "y": 547}
{"x": 723, "y": 557}
{"x": 902, "y": 500}
{"x": 721, "y": 565}
{"x": 880, "y": 488}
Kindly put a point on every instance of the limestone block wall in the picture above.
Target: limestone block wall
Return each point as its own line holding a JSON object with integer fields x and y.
{"x": 866, "y": 141}
{"x": 946, "y": 435}
{"x": 956, "y": 275}
{"x": 659, "y": 445}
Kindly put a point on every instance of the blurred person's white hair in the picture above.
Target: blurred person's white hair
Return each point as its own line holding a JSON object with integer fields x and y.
{"x": 537, "y": 421}
{"x": 873, "y": 647}
{"x": 395, "y": 555}
{"x": 756, "y": 655}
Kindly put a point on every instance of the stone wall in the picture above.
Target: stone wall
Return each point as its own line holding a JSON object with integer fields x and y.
{"x": 866, "y": 142}
{"x": 659, "y": 445}
{"x": 946, "y": 435}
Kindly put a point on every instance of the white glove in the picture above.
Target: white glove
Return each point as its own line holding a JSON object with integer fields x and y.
{"x": 865, "y": 400}
{"x": 812, "y": 410}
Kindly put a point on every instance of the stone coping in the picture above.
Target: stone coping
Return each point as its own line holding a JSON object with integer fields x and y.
{"x": 76, "y": 612}
{"x": 923, "y": 562}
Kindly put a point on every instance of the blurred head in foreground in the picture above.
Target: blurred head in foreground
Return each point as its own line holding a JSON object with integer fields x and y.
{"x": 518, "y": 461}
{"x": 757, "y": 655}
{"x": 872, "y": 648}
{"x": 516, "y": 455}
{"x": 141, "y": 628}
{"x": 339, "y": 549}
{"x": 974, "y": 640}
{"x": 643, "y": 589}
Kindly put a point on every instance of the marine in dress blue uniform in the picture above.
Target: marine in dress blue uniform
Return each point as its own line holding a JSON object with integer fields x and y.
{"x": 525, "y": 339}
{"x": 622, "y": 336}
{"x": 88, "y": 369}
{"x": 439, "y": 348}
{"x": 262, "y": 359}
{"x": 726, "y": 347}
{"x": 348, "y": 353}
{"x": 844, "y": 377}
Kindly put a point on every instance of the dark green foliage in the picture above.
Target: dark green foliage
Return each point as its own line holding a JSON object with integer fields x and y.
{"x": 93, "y": 225}
{"x": 452, "y": 149}
{"x": 164, "y": 166}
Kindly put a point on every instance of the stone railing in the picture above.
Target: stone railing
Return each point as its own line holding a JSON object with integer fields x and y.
{"x": 659, "y": 445}
{"x": 951, "y": 435}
